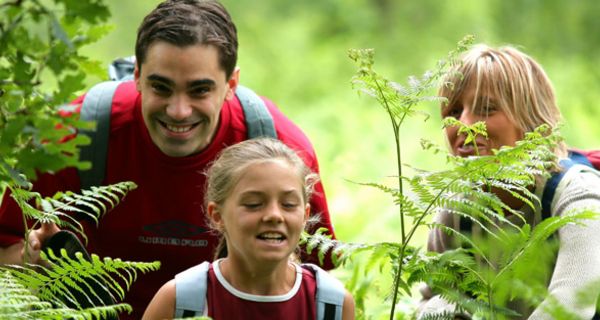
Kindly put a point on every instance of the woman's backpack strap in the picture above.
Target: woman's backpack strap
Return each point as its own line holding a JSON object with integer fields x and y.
{"x": 330, "y": 294}
{"x": 554, "y": 180}
{"x": 190, "y": 291}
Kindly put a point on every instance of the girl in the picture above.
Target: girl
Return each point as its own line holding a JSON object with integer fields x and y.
{"x": 511, "y": 93}
{"x": 257, "y": 198}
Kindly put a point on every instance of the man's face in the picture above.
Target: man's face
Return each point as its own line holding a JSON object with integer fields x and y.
{"x": 183, "y": 90}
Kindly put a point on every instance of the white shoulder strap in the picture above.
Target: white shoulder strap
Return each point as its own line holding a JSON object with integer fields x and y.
{"x": 330, "y": 294}
{"x": 97, "y": 106}
{"x": 190, "y": 291}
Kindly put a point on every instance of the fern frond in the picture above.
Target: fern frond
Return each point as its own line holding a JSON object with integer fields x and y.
{"x": 93, "y": 203}
{"x": 542, "y": 231}
{"x": 19, "y": 302}
{"x": 66, "y": 277}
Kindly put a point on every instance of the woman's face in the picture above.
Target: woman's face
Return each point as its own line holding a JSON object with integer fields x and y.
{"x": 501, "y": 131}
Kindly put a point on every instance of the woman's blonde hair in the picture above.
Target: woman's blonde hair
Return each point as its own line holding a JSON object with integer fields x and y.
{"x": 520, "y": 85}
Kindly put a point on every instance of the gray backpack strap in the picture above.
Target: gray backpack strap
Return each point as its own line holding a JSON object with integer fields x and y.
{"x": 190, "y": 291}
{"x": 97, "y": 106}
{"x": 258, "y": 119}
{"x": 330, "y": 294}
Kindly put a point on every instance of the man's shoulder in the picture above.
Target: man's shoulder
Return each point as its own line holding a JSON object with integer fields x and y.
{"x": 287, "y": 131}
{"x": 125, "y": 101}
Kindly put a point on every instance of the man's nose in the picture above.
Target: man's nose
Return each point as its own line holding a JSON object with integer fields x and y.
{"x": 179, "y": 108}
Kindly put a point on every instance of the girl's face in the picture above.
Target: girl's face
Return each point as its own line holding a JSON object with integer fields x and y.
{"x": 264, "y": 215}
{"x": 501, "y": 131}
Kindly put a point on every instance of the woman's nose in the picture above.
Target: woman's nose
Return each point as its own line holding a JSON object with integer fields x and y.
{"x": 467, "y": 117}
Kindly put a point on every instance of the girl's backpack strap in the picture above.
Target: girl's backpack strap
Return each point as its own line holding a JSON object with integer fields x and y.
{"x": 190, "y": 291}
{"x": 330, "y": 294}
{"x": 97, "y": 106}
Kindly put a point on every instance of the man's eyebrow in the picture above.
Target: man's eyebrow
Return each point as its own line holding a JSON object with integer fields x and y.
{"x": 201, "y": 83}
{"x": 159, "y": 78}
{"x": 190, "y": 84}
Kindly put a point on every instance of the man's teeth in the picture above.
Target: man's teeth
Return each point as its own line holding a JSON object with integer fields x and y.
{"x": 178, "y": 129}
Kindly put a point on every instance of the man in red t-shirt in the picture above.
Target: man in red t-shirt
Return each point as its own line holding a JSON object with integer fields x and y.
{"x": 166, "y": 126}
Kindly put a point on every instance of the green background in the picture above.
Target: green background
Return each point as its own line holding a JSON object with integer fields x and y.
{"x": 295, "y": 53}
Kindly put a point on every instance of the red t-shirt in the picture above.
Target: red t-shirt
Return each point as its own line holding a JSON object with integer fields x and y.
{"x": 163, "y": 219}
{"x": 224, "y": 302}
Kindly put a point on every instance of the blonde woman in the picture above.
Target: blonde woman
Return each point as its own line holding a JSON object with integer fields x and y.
{"x": 511, "y": 93}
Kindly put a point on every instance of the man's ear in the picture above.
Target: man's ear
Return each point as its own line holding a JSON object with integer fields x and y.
{"x": 214, "y": 214}
{"x": 136, "y": 77}
{"x": 232, "y": 83}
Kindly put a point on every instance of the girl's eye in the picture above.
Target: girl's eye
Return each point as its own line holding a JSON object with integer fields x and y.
{"x": 290, "y": 205}
{"x": 251, "y": 205}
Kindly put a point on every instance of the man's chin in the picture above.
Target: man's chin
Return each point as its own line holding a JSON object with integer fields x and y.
{"x": 179, "y": 151}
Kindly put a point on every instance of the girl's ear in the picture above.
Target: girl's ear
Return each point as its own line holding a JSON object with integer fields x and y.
{"x": 214, "y": 214}
{"x": 306, "y": 212}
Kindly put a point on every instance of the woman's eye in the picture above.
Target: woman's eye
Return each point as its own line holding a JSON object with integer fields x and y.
{"x": 453, "y": 112}
{"x": 487, "y": 109}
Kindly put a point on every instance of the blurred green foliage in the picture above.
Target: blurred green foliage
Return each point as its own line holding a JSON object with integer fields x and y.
{"x": 295, "y": 53}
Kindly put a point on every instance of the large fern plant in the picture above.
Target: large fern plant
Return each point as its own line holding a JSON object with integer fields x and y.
{"x": 481, "y": 279}
{"x": 41, "y": 68}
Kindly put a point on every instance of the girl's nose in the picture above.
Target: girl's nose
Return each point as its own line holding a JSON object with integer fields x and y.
{"x": 273, "y": 213}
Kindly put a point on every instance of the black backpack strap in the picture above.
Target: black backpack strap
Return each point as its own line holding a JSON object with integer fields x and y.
{"x": 259, "y": 121}
{"x": 554, "y": 180}
{"x": 97, "y": 106}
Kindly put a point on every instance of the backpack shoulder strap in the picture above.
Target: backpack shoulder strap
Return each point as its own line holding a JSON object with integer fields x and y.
{"x": 190, "y": 291}
{"x": 554, "y": 180}
{"x": 330, "y": 294}
{"x": 97, "y": 105}
{"x": 259, "y": 121}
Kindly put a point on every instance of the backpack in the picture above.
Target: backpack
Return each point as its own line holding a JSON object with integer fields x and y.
{"x": 97, "y": 105}
{"x": 587, "y": 158}
{"x": 191, "y": 285}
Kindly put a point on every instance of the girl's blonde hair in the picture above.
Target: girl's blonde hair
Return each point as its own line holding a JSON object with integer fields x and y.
{"x": 520, "y": 85}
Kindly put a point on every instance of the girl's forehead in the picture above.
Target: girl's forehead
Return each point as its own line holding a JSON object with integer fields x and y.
{"x": 268, "y": 170}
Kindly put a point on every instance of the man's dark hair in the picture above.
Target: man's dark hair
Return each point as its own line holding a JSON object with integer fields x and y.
{"x": 190, "y": 22}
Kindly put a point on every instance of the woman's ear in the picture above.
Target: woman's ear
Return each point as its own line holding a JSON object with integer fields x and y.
{"x": 214, "y": 214}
